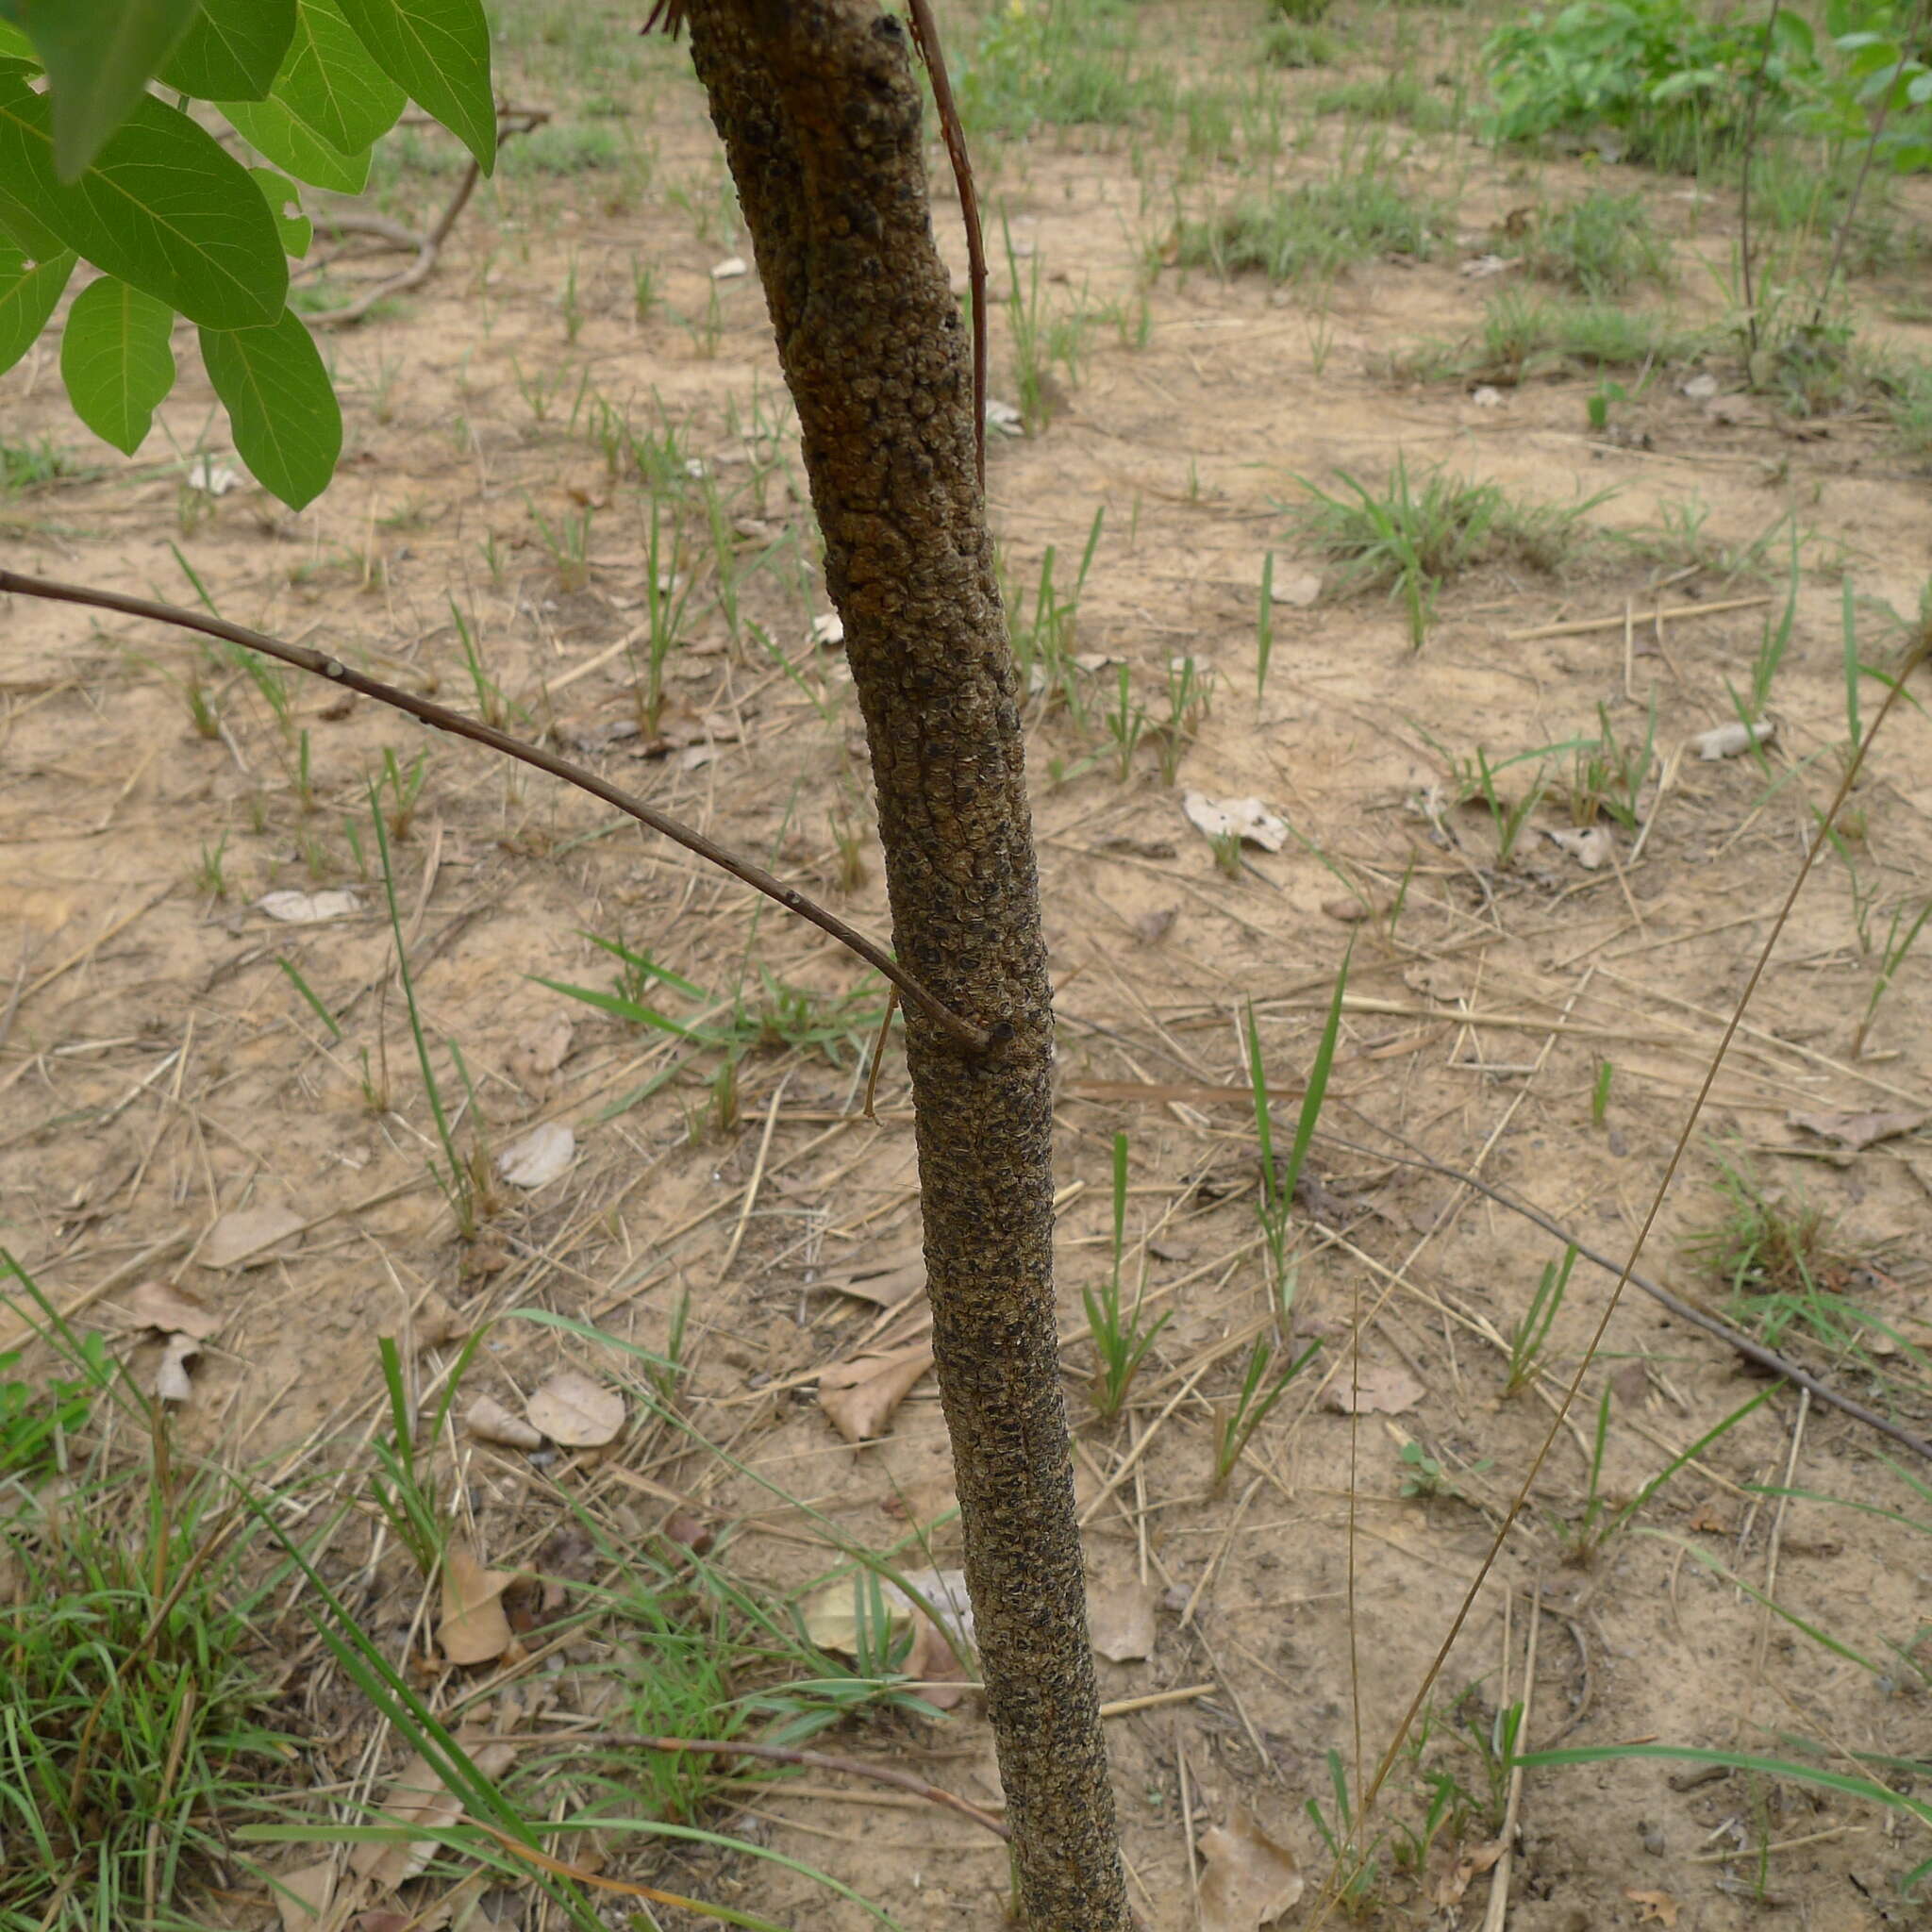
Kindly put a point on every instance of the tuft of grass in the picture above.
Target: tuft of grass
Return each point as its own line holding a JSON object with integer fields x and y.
{"x": 1292, "y": 43}
{"x": 1120, "y": 1337}
{"x": 1523, "y": 336}
{"x": 1068, "y": 64}
{"x": 1599, "y": 244}
{"x": 1390, "y": 97}
{"x": 1413, "y": 534}
{"x": 1316, "y": 229}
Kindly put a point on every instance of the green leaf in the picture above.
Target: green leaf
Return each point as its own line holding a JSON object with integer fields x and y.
{"x": 98, "y": 55}
{"x": 14, "y": 45}
{"x": 288, "y": 426}
{"x": 273, "y": 130}
{"x": 164, "y": 207}
{"x": 297, "y": 229}
{"x": 330, "y": 83}
{"x": 233, "y": 51}
{"x": 438, "y": 52}
{"x": 116, "y": 362}
{"x": 28, "y": 291}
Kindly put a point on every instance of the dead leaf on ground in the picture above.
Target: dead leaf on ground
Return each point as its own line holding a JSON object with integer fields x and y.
{"x": 858, "y": 1397}
{"x": 1247, "y": 818}
{"x": 1349, "y": 910}
{"x": 885, "y": 1280}
{"x": 1121, "y": 1621}
{"x": 1250, "y": 1880}
{"x": 243, "y": 1239}
{"x": 832, "y": 1615}
{"x": 1463, "y": 1871}
{"x": 419, "y": 1798}
{"x": 170, "y": 1372}
{"x": 487, "y": 1419}
{"x": 308, "y": 908}
{"x": 172, "y": 1310}
{"x": 474, "y": 1627}
{"x": 303, "y": 1897}
{"x": 1659, "y": 1908}
{"x": 1592, "y": 848}
{"x": 574, "y": 1411}
{"x": 1857, "y": 1131}
{"x": 538, "y": 1157}
{"x": 1152, "y": 927}
{"x": 1376, "y": 1390}
{"x": 729, "y": 269}
{"x": 1728, "y": 740}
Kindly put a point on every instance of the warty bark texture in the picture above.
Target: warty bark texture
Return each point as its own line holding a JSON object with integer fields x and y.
{"x": 818, "y": 108}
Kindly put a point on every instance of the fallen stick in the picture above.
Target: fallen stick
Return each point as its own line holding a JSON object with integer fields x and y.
{"x": 1578, "y": 626}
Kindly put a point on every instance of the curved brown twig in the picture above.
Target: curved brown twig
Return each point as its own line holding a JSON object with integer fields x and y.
{"x": 925, "y": 31}
{"x": 963, "y": 1033}
{"x": 428, "y": 247}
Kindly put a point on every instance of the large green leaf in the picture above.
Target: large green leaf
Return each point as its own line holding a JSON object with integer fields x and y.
{"x": 297, "y": 229}
{"x": 27, "y": 294}
{"x": 271, "y": 129}
{"x": 164, "y": 207}
{"x": 233, "y": 51}
{"x": 98, "y": 55}
{"x": 438, "y": 51}
{"x": 116, "y": 362}
{"x": 288, "y": 426}
{"x": 330, "y": 82}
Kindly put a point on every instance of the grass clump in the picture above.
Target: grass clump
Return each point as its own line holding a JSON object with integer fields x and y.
{"x": 1391, "y": 97}
{"x": 1315, "y": 230}
{"x": 1526, "y": 335}
{"x": 1599, "y": 244}
{"x": 1290, "y": 44}
{"x": 1064, "y": 65}
{"x": 1414, "y": 533}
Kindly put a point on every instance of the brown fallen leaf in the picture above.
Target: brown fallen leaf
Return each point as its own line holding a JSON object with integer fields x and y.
{"x": 1857, "y": 1131}
{"x": 303, "y": 1897}
{"x": 419, "y": 1798}
{"x": 1152, "y": 927}
{"x": 1463, "y": 1871}
{"x": 172, "y": 1310}
{"x": 1348, "y": 910}
{"x": 474, "y": 1627}
{"x": 858, "y": 1397}
{"x": 243, "y": 1239}
{"x": 1251, "y": 1880}
{"x": 574, "y": 1411}
{"x": 1376, "y": 1390}
{"x": 886, "y": 1280}
{"x": 1659, "y": 1908}
{"x": 1712, "y": 1521}
{"x": 170, "y": 1372}
{"x": 487, "y": 1419}
{"x": 1121, "y": 1621}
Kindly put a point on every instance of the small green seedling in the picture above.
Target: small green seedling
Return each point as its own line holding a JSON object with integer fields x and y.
{"x": 1256, "y": 1395}
{"x": 1600, "y": 1092}
{"x": 1527, "y": 1338}
{"x": 1120, "y": 1339}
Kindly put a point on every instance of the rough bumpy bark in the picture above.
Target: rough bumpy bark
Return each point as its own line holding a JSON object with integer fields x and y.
{"x": 819, "y": 112}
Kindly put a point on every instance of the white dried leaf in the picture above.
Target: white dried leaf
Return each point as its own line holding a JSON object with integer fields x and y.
{"x": 170, "y": 1372}
{"x": 538, "y": 1157}
{"x": 574, "y": 1411}
{"x": 487, "y": 1419}
{"x": 1700, "y": 389}
{"x": 1485, "y": 266}
{"x": 1485, "y": 396}
{"x": 1728, "y": 740}
{"x": 1004, "y": 417}
{"x": 310, "y": 908}
{"x": 828, "y": 627}
{"x": 1300, "y": 590}
{"x": 1592, "y": 848}
{"x": 729, "y": 269}
{"x": 1246, "y": 817}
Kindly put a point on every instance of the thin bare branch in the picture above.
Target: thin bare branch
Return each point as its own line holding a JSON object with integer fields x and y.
{"x": 963, "y": 1033}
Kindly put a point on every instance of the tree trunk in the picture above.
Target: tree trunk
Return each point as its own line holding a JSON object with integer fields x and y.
{"x": 818, "y": 108}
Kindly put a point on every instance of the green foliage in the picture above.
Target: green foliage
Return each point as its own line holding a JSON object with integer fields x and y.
{"x": 1599, "y": 244}
{"x": 1289, "y": 43}
{"x": 1063, "y": 63}
{"x": 1671, "y": 81}
{"x": 94, "y": 169}
{"x": 1317, "y": 229}
{"x": 1120, "y": 1338}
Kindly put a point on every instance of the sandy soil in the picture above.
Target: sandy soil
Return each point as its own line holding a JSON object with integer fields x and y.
{"x": 161, "y": 1072}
